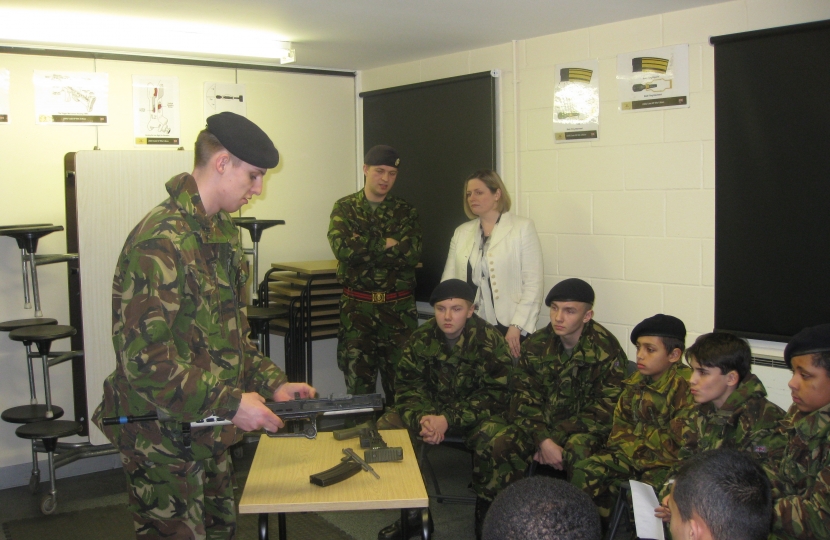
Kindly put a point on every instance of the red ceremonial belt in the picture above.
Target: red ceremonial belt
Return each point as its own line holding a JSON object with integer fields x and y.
{"x": 376, "y": 297}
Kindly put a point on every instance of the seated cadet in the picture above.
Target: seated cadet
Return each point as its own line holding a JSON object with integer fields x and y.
{"x": 653, "y": 420}
{"x": 453, "y": 377}
{"x": 801, "y": 480}
{"x": 733, "y": 410}
{"x": 542, "y": 508}
{"x": 569, "y": 379}
{"x": 720, "y": 495}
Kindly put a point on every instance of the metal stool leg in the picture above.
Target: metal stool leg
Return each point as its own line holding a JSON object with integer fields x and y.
{"x": 47, "y": 386}
{"x": 35, "y": 289}
{"x": 30, "y": 366}
{"x": 27, "y": 303}
{"x": 620, "y": 510}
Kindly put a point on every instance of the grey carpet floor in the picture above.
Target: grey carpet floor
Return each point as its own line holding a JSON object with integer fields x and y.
{"x": 107, "y": 488}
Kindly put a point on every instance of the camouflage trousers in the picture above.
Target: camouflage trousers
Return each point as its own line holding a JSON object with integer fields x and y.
{"x": 501, "y": 451}
{"x": 370, "y": 339}
{"x": 600, "y": 477}
{"x": 189, "y": 500}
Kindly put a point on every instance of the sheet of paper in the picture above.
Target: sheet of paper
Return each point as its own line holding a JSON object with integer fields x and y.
{"x": 645, "y": 501}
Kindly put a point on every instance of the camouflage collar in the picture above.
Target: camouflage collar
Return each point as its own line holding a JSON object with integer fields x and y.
{"x": 750, "y": 387}
{"x": 366, "y": 203}
{"x": 584, "y": 343}
{"x": 808, "y": 425}
{"x": 218, "y": 229}
{"x": 661, "y": 385}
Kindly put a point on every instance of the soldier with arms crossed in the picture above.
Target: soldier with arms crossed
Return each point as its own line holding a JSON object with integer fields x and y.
{"x": 181, "y": 341}
{"x": 376, "y": 239}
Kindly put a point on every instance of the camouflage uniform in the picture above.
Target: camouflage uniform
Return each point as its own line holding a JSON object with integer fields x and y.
{"x": 181, "y": 344}
{"x": 570, "y": 400}
{"x": 747, "y": 421}
{"x": 372, "y": 335}
{"x": 654, "y": 428}
{"x": 469, "y": 386}
{"x": 801, "y": 481}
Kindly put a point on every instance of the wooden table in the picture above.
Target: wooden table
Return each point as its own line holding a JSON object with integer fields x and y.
{"x": 278, "y": 481}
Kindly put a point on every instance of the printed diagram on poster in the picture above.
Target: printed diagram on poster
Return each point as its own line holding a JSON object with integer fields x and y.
{"x": 576, "y": 102}
{"x": 4, "y": 95}
{"x": 654, "y": 79}
{"x": 221, "y": 97}
{"x": 63, "y": 97}
{"x": 156, "y": 110}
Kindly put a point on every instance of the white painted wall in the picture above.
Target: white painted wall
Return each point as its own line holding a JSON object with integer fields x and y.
{"x": 310, "y": 118}
{"x": 634, "y": 212}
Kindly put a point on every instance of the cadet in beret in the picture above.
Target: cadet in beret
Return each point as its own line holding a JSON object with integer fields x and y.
{"x": 376, "y": 239}
{"x": 801, "y": 481}
{"x": 181, "y": 341}
{"x": 453, "y": 378}
{"x": 654, "y": 420}
{"x": 569, "y": 380}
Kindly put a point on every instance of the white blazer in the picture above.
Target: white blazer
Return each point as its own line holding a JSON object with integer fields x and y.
{"x": 514, "y": 258}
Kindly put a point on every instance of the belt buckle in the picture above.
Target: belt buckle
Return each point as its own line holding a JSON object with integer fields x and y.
{"x": 378, "y": 297}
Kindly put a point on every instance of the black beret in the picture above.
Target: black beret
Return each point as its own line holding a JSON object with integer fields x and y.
{"x": 452, "y": 288}
{"x": 571, "y": 290}
{"x": 814, "y": 339}
{"x": 661, "y": 326}
{"x": 244, "y": 139}
{"x": 382, "y": 155}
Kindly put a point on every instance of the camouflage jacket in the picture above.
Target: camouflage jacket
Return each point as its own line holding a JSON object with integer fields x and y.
{"x": 747, "y": 421}
{"x": 466, "y": 385}
{"x": 357, "y": 235}
{"x": 556, "y": 397}
{"x": 180, "y": 332}
{"x": 654, "y": 421}
{"x": 801, "y": 481}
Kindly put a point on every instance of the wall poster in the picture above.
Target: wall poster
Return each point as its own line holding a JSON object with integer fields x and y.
{"x": 63, "y": 97}
{"x": 654, "y": 79}
{"x": 156, "y": 110}
{"x": 221, "y": 97}
{"x": 576, "y": 101}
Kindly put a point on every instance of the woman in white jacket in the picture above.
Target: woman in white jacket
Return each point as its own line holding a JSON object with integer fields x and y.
{"x": 499, "y": 255}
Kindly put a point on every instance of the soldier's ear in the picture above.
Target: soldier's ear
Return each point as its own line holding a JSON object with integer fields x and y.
{"x": 732, "y": 378}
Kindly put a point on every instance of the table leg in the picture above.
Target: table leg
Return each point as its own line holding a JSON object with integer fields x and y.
{"x": 263, "y": 527}
{"x": 281, "y": 520}
{"x": 425, "y": 517}
{"x": 404, "y": 523}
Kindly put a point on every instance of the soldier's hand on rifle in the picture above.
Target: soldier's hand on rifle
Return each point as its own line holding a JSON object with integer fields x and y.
{"x": 252, "y": 414}
{"x": 433, "y": 428}
{"x": 287, "y": 391}
{"x": 550, "y": 453}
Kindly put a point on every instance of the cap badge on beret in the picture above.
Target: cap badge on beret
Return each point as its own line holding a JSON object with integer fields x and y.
{"x": 382, "y": 155}
{"x": 244, "y": 139}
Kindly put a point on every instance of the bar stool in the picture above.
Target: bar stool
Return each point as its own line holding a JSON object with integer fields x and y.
{"x": 27, "y": 237}
{"x": 255, "y": 227}
{"x": 43, "y": 336}
{"x": 49, "y": 433}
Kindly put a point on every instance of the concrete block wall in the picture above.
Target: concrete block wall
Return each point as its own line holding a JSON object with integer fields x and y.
{"x": 634, "y": 212}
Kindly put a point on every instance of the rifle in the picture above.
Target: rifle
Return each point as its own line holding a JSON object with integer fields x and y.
{"x": 376, "y": 452}
{"x": 305, "y": 410}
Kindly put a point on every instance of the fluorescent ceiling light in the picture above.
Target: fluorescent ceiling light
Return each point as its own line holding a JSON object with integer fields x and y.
{"x": 137, "y": 35}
